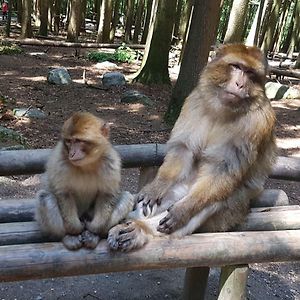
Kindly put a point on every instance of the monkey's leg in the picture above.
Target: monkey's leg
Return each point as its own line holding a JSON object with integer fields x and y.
{"x": 51, "y": 222}
{"x": 176, "y": 168}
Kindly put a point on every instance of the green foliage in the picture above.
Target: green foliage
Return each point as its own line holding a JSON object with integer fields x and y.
{"x": 122, "y": 54}
{"x": 9, "y": 48}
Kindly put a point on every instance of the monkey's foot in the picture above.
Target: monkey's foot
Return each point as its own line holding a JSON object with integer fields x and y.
{"x": 90, "y": 240}
{"x": 126, "y": 237}
{"x": 72, "y": 242}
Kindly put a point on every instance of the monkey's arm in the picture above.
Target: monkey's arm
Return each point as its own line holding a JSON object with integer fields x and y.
{"x": 69, "y": 213}
{"x": 176, "y": 167}
{"x": 222, "y": 171}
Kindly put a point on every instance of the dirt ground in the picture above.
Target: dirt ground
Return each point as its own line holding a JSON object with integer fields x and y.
{"x": 23, "y": 83}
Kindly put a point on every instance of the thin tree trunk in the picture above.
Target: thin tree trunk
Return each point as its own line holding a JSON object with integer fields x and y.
{"x": 269, "y": 35}
{"x": 236, "y": 22}
{"x": 147, "y": 21}
{"x": 26, "y": 28}
{"x": 202, "y": 35}
{"x": 155, "y": 69}
{"x": 8, "y": 21}
{"x": 19, "y": 11}
{"x": 265, "y": 23}
{"x": 138, "y": 20}
{"x": 74, "y": 22}
{"x": 129, "y": 20}
{"x": 105, "y": 22}
{"x": 252, "y": 38}
{"x": 44, "y": 6}
{"x": 179, "y": 10}
{"x": 57, "y": 5}
{"x": 83, "y": 15}
{"x": 295, "y": 40}
{"x": 115, "y": 20}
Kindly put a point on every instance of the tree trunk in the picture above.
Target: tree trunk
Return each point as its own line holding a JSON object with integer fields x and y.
{"x": 57, "y": 5}
{"x": 266, "y": 16}
{"x": 202, "y": 35}
{"x": 138, "y": 20}
{"x": 44, "y": 6}
{"x": 147, "y": 21}
{"x": 295, "y": 40}
{"x": 297, "y": 65}
{"x": 115, "y": 20}
{"x": 26, "y": 28}
{"x": 105, "y": 22}
{"x": 236, "y": 21}
{"x": 224, "y": 18}
{"x": 129, "y": 20}
{"x": 75, "y": 21}
{"x": 252, "y": 38}
{"x": 37, "y": 12}
{"x": 269, "y": 35}
{"x": 19, "y": 12}
{"x": 97, "y": 11}
{"x": 8, "y": 21}
{"x": 83, "y": 15}
{"x": 155, "y": 64}
{"x": 179, "y": 10}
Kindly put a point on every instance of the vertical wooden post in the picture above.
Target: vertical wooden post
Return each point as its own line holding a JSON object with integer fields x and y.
{"x": 195, "y": 283}
{"x": 147, "y": 174}
{"x": 233, "y": 282}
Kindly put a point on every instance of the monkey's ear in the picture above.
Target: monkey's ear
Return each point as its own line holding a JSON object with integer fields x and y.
{"x": 105, "y": 129}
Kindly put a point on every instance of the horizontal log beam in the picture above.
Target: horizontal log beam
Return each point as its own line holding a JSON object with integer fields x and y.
{"x": 51, "y": 43}
{"x": 22, "y": 210}
{"x": 29, "y": 232}
{"x": 33, "y": 261}
{"x": 283, "y": 72}
{"x": 21, "y": 162}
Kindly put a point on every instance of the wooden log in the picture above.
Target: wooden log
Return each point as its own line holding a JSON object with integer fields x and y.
{"x": 21, "y": 162}
{"x": 28, "y": 232}
{"x": 233, "y": 282}
{"x": 22, "y": 210}
{"x": 195, "y": 282}
{"x": 32, "y": 261}
{"x": 281, "y": 72}
{"x": 51, "y": 43}
{"x": 16, "y": 210}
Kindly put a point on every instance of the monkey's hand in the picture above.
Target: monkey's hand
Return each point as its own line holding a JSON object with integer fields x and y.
{"x": 90, "y": 240}
{"x": 176, "y": 218}
{"x": 150, "y": 196}
{"x": 72, "y": 242}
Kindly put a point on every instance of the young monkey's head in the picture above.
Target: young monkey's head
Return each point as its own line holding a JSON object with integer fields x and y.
{"x": 85, "y": 138}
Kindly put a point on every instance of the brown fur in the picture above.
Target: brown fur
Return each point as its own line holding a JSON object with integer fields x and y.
{"x": 220, "y": 151}
{"x": 80, "y": 201}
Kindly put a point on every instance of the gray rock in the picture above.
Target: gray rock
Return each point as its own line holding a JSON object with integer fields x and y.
{"x": 113, "y": 79}
{"x": 275, "y": 90}
{"x": 133, "y": 96}
{"x": 33, "y": 113}
{"x": 105, "y": 65}
{"x": 10, "y": 139}
{"x": 59, "y": 76}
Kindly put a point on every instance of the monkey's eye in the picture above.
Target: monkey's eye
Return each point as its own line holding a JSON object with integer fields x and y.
{"x": 235, "y": 66}
{"x": 67, "y": 142}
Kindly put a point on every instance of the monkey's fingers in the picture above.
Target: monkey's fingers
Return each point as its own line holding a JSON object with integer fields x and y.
{"x": 90, "y": 240}
{"x": 140, "y": 197}
{"x": 167, "y": 224}
{"x": 73, "y": 242}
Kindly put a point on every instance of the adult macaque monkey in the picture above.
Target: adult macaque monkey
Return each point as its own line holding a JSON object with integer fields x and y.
{"x": 82, "y": 200}
{"x": 219, "y": 154}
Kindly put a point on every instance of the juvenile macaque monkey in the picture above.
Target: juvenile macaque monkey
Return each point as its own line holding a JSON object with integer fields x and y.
{"x": 219, "y": 154}
{"x": 82, "y": 199}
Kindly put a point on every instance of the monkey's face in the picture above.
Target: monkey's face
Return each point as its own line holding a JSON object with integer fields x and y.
{"x": 85, "y": 138}
{"x": 236, "y": 76}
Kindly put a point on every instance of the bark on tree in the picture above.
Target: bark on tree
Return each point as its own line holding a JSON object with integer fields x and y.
{"x": 295, "y": 40}
{"x": 202, "y": 35}
{"x": 105, "y": 22}
{"x": 138, "y": 20}
{"x": 155, "y": 64}
{"x": 179, "y": 10}
{"x": 57, "y": 5}
{"x": 147, "y": 21}
{"x": 266, "y": 16}
{"x": 74, "y": 21}
{"x": 269, "y": 35}
{"x": 8, "y": 21}
{"x": 44, "y": 6}
{"x": 19, "y": 11}
{"x": 297, "y": 65}
{"x": 236, "y": 21}
{"x": 26, "y": 28}
{"x": 129, "y": 20}
{"x": 252, "y": 38}
{"x": 115, "y": 20}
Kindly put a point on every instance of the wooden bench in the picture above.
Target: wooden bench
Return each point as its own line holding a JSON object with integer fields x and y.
{"x": 271, "y": 233}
